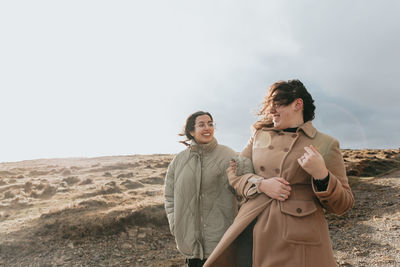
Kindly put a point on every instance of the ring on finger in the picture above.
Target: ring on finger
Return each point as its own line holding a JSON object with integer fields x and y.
{"x": 283, "y": 195}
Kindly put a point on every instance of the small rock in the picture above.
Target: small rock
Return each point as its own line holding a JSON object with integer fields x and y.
{"x": 395, "y": 227}
{"x": 126, "y": 246}
{"x": 142, "y": 235}
{"x": 124, "y": 235}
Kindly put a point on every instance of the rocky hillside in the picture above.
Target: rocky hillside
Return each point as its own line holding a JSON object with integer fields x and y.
{"x": 109, "y": 211}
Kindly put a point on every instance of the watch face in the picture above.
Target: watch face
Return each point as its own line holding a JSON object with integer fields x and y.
{"x": 255, "y": 180}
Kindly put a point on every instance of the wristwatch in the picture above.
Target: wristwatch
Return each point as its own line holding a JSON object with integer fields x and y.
{"x": 255, "y": 180}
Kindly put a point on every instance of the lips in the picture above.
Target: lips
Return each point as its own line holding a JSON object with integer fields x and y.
{"x": 275, "y": 117}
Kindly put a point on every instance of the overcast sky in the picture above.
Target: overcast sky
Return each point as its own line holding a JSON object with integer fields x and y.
{"x": 98, "y": 78}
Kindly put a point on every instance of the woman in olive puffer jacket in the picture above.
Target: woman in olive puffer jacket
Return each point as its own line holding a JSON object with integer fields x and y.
{"x": 199, "y": 201}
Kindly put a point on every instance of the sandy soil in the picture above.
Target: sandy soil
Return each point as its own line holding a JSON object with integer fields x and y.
{"x": 109, "y": 211}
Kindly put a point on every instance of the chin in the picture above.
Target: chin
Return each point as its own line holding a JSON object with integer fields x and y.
{"x": 205, "y": 141}
{"x": 278, "y": 126}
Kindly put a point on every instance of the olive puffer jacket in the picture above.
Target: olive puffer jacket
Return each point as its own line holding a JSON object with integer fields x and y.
{"x": 199, "y": 201}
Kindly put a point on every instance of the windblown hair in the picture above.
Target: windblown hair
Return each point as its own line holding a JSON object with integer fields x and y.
{"x": 189, "y": 126}
{"x": 284, "y": 93}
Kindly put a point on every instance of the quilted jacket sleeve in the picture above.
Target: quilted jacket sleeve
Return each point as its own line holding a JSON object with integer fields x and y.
{"x": 169, "y": 195}
{"x": 338, "y": 197}
{"x": 244, "y": 165}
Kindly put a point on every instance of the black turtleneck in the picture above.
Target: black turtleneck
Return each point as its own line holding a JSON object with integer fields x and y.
{"x": 290, "y": 130}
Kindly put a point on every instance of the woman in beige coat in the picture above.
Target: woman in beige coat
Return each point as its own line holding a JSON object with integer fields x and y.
{"x": 298, "y": 172}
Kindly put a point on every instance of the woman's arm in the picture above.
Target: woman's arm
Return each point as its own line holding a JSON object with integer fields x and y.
{"x": 248, "y": 185}
{"x": 337, "y": 198}
{"x": 241, "y": 170}
{"x": 169, "y": 195}
{"x": 240, "y": 174}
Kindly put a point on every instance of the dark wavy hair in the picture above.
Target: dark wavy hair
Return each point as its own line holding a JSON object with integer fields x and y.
{"x": 189, "y": 126}
{"x": 284, "y": 93}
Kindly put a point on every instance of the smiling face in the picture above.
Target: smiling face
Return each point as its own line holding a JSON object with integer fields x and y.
{"x": 287, "y": 104}
{"x": 287, "y": 116}
{"x": 203, "y": 131}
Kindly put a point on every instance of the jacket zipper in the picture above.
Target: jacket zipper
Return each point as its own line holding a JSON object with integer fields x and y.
{"x": 201, "y": 237}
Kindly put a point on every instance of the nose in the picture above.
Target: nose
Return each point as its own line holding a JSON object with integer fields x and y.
{"x": 272, "y": 110}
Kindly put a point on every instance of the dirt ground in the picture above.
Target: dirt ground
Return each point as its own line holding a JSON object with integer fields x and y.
{"x": 109, "y": 212}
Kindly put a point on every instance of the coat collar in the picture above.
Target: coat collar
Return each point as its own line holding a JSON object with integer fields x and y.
{"x": 195, "y": 147}
{"x": 306, "y": 127}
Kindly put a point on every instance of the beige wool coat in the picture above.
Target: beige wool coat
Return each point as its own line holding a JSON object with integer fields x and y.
{"x": 292, "y": 232}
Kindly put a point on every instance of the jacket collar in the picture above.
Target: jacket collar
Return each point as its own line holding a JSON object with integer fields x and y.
{"x": 195, "y": 147}
{"x": 306, "y": 127}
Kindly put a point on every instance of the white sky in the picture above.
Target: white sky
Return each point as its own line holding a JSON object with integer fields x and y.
{"x": 96, "y": 78}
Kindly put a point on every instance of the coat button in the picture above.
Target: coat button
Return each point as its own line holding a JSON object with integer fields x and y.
{"x": 277, "y": 170}
{"x": 262, "y": 168}
{"x": 271, "y": 147}
{"x": 294, "y": 135}
{"x": 286, "y": 150}
{"x": 299, "y": 210}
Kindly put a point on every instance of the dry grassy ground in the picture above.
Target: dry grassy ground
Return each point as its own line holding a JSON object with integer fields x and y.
{"x": 109, "y": 211}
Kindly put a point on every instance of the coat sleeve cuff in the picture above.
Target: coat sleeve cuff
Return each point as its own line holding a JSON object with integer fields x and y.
{"x": 253, "y": 183}
{"x": 329, "y": 190}
{"x": 246, "y": 185}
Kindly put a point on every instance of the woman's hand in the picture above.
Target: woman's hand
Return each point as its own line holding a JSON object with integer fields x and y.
{"x": 313, "y": 163}
{"x": 233, "y": 165}
{"x": 276, "y": 188}
{"x": 231, "y": 171}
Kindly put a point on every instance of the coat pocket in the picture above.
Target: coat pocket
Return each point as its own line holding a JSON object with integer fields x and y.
{"x": 301, "y": 223}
